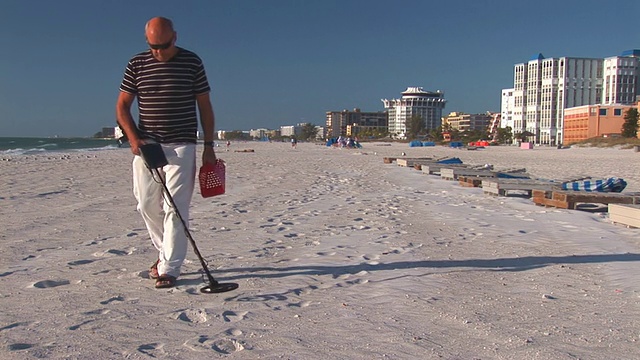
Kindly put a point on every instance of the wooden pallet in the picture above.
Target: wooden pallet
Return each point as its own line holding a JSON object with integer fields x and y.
{"x": 410, "y": 162}
{"x": 567, "y": 199}
{"x": 506, "y": 186}
{"x": 625, "y": 214}
{"x": 454, "y": 173}
{"x": 470, "y": 181}
{"x": 434, "y": 169}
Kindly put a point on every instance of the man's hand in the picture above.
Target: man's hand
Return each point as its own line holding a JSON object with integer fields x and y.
{"x": 209, "y": 156}
{"x": 135, "y": 145}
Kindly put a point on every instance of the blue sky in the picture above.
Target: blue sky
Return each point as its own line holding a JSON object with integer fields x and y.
{"x": 281, "y": 62}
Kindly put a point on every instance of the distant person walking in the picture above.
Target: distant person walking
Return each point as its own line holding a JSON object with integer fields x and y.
{"x": 170, "y": 120}
{"x": 294, "y": 142}
{"x": 228, "y": 144}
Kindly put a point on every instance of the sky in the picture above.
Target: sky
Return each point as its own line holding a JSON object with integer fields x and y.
{"x": 282, "y": 62}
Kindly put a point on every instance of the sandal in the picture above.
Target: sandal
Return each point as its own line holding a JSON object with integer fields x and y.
{"x": 153, "y": 272}
{"x": 165, "y": 281}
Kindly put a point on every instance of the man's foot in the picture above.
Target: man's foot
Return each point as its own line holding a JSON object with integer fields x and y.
{"x": 165, "y": 281}
{"x": 153, "y": 272}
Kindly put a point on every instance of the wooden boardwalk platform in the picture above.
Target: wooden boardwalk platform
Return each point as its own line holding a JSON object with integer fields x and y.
{"x": 405, "y": 161}
{"x": 625, "y": 214}
{"x": 480, "y": 172}
{"x": 435, "y": 168}
{"x": 567, "y": 199}
{"x": 506, "y": 186}
{"x": 410, "y": 162}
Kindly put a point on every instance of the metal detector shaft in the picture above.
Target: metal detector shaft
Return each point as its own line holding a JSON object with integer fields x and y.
{"x": 154, "y": 159}
{"x": 212, "y": 281}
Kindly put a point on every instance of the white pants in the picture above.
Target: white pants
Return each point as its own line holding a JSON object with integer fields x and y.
{"x": 165, "y": 229}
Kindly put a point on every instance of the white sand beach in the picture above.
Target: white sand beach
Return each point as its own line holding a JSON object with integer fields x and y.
{"x": 338, "y": 256}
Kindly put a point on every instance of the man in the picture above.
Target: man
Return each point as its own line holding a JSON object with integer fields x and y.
{"x": 168, "y": 82}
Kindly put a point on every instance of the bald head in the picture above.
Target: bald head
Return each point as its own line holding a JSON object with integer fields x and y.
{"x": 161, "y": 38}
{"x": 158, "y": 25}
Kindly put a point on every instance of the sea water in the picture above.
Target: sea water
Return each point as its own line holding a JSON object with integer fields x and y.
{"x": 31, "y": 145}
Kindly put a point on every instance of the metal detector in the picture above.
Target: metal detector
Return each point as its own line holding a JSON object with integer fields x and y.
{"x": 154, "y": 159}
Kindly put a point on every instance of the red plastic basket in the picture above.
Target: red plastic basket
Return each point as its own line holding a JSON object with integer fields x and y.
{"x": 212, "y": 179}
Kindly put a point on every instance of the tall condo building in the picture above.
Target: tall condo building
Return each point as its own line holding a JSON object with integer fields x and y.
{"x": 339, "y": 123}
{"x": 468, "y": 122}
{"x": 414, "y": 102}
{"x": 544, "y": 87}
{"x": 506, "y": 109}
{"x": 621, "y": 78}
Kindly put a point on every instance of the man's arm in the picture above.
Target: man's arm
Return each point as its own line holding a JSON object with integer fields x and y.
{"x": 125, "y": 120}
{"x": 208, "y": 122}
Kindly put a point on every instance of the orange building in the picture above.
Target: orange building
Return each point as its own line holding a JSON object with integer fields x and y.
{"x": 584, "y": 122}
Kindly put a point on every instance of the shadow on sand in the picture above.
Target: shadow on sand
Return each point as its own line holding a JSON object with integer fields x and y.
{"x": 507, "y": 264}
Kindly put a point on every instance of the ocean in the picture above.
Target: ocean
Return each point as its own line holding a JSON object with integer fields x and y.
{"x": 27, "y": 145}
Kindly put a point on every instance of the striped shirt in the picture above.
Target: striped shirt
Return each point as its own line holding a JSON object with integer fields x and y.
{"x": 166, "y": 93}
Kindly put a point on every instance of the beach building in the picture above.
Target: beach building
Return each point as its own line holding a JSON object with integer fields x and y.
{"x": 290, "y": 130}
{"x": 584, "y": 122}
{"x": 620, "y": 80}
{"x": 544, "y": 87}
{"x": 415, "y": 101}
{"x": 349, "y": 123}
{"x": 320, "y": 133}
{"x": 496, "y": 119}
{"x": 506, "y": 108}
{"x": 260, "y": 134}
{"x": 468, "y": 122}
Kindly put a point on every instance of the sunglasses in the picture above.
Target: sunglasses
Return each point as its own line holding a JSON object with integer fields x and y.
{"x": 164, "y": 46}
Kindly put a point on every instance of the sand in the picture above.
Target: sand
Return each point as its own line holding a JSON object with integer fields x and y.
{"x": 338, "y": 256}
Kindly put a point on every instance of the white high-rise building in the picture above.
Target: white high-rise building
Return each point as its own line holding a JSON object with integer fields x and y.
{"x": 621, "y": 83}
{"x": 506, "y": 108}
{"x": 543, "y": 88}
{"x": 414, "y": 102}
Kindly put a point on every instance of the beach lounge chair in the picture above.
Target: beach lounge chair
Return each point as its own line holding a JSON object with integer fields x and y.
{"x": 612, "y": 184}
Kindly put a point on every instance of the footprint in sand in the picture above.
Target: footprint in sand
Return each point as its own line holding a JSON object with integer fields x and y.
{"x": 80, "y": 262}
{"x": 234, "y": 332}
{"x": 225, "y": 346}
{"x": 7, "y": 273}
{"x": 301, "y": 304}
{"x": 113, "y": 252}
{"x": 195, "y": 316}
{"x": 151, "y": 349}
{"x": 19, "y": 346}
{"x": 97, "y": 312}
{"x": 76, "y": 327}
{"x": 44, "y": 284}
{"x": 232, "y": 316}
{"x": 14, "y": 325}
{"x": 112, "y": 299}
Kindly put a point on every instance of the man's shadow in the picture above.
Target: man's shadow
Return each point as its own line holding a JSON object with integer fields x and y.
{"x": 506, "y": 264}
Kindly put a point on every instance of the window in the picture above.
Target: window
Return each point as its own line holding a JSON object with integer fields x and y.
{"x": 603, "y": 112}
{"x": 617, "y": 112}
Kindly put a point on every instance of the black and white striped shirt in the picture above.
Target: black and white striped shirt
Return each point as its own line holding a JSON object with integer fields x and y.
{"x": 166, "y": 93}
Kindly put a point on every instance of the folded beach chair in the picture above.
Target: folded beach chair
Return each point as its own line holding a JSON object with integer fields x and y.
{"x": 453, "y": 160}
{"x": 612, "y": 184}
